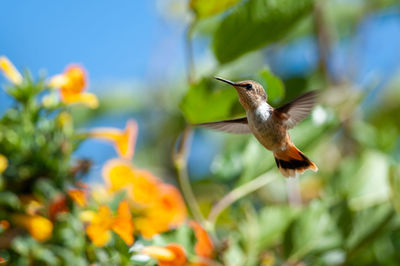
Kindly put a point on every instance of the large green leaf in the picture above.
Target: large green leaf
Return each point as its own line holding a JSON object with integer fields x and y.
{"x": 203, "y": 103}
{"x": 206, "y": 8}
{"x": 256, "y": 23}
{"x": 313, "y": 231}
{"x": 274, "y": 221}
{"x": 273, "y": 85}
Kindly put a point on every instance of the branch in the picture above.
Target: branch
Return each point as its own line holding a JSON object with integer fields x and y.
{"x": 238, "y": 193}
{"x": 180, "y": 163}
{"x": 323, "y": 39}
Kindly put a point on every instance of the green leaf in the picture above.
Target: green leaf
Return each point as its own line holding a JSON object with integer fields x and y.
{"x": 256, "y": 24}
{"x": 202, "y": 103}
{"x": 394, "y": 179}
{"x": 362, "y": 232}
{"x": 206, "y": 8}
{"x": 9, "y": 199}
{"x": 273, "y": 85}
{"x": 314, "y": 230}
{"x": 274, "y": 221}
{"x": 234, "y": 255}
{"x": 369, "y": 185}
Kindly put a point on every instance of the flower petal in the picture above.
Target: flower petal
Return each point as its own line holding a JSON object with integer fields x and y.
{"x": 171, "y": 255}
{"x": 38, "y": 227}
{"x": 98, "y": 229}
{"x": 9, "y": 71}
{"x": 117, "y": 174}
{"x": 123, "y": 140}
{"x": 72, "y": 81}
{"x": 78, "y": 196}
{"x": 86, "y": 98}
{"x": 204, "y": 246}
{"x": 159, "y": 253}
{"x": 122, "y": 224}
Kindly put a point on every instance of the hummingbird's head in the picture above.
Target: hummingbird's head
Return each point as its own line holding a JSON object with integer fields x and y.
{"x": 251, "y": 93}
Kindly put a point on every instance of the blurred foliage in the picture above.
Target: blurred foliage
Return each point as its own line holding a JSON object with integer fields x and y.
{"x": 255, "y": 24}
{"x": 350, "y": 209}
{"x": 204, "y": 8}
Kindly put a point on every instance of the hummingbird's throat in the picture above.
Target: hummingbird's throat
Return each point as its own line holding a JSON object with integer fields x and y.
{"x": 263, "y": 111}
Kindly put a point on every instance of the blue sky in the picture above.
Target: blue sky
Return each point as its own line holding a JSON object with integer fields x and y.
{"x": 112, "y": 39}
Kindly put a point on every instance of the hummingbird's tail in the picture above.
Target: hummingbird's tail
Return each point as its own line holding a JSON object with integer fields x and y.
{"x": 292, "y": 162}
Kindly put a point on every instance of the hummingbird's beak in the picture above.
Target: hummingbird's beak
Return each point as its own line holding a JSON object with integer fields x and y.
{"x": 227, "y": 81}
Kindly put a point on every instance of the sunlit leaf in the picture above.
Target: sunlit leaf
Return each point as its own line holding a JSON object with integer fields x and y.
{"x": 9, "y": 199}
{"x": 394, "y": 178}
{"x": 273, "y": 85}
{"x": 206, "y": 8}
{"x": 377, "y": 218}
{"x": 369, "y": 185}
{"x": 313, "y": 230}
{"x": 256, "y": 24}
{"x": 277, "y": 220}
{"x": 203, "y": 103}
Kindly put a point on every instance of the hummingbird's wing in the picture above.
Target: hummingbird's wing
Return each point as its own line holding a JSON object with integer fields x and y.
{"x": 235, "y": 126}
{"x": 298, "y": 109}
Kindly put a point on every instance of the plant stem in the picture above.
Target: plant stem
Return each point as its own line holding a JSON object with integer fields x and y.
{"x": 323, "y": 40}
{"x": 238, "y": 193}
{"x": 180, "y": 162}
{"x": 371, "y": 236}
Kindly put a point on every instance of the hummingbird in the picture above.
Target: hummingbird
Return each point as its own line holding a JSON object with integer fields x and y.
{"x": 270, "y": 125}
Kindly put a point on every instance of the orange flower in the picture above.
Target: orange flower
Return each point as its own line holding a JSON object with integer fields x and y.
{"x": 118, "y": 174}
{"x": 78, "y": 196}
{"x": 39, "y": 228}
{"x": 9, "y": 71}
{"x": 141, "y": 185}
{"x": 168, "y": 211}
{"x": 174, "y": 254}
{"x": 103, "y": 221}
{"x": 144, "y": 188}
{"x": 204, "y": 247}
{"x": 123, "y": 140}
{"x": 170, "y": 255}
{"x": 72, "y": 84}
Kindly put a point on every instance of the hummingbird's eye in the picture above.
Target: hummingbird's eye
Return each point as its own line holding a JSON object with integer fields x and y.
{"x": 249, "y": 87}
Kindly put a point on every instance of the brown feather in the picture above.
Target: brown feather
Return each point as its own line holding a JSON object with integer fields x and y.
{"x": 298, "y": 109}
{"x": 235, "y": 126}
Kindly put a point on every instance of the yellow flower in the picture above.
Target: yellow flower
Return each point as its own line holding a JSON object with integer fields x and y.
{"x": 144, "y": 188}
{"x": 39, "y": 227}
{"x": 103, "y": 222}
{"x": 9, "y": 71}
{"x": 123, "y": 140}
{"x": 118, "y": 174}
{"x": 72, "y": 84}
{"x": 3, "y": 163}
{"x": 170, "y": 255}
{"x": 87, "y": 216}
